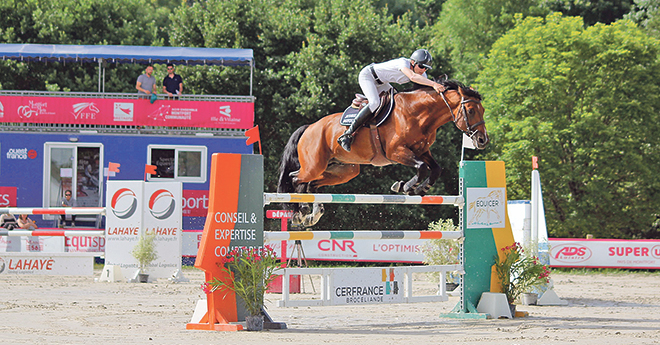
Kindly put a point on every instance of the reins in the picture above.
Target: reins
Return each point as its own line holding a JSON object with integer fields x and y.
{"x": 469, "y": 128}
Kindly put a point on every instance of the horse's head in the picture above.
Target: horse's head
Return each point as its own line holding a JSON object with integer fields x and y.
{"x": 468, "y": 115}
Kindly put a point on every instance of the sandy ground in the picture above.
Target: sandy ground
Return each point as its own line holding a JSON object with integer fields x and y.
{"x": 603, "y": 309}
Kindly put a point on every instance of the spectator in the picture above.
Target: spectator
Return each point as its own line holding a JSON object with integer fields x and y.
{"x": 68, "y": 201}
{"x": 26, "y": 223}
{"x": 8, "y": 221}
{"x": 146, "y": 83}
{"x": 172, "y": 83}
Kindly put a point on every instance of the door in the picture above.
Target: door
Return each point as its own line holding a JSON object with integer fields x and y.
{"x": 75, "y": 167}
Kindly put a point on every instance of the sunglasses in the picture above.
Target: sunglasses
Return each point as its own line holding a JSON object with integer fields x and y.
{"x": 67, "y": 194}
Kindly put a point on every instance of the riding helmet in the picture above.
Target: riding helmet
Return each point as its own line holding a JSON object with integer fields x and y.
{"x": 422, "y": 57}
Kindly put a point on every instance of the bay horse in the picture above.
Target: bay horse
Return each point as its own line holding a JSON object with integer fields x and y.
{"x": 312, "y": 158}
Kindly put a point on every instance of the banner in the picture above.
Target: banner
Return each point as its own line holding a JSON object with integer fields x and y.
{"x": 76, "y": 264}
{"x": 123, "y": 222}
{"x": 597, "y": 253}
{"x": 127, "y": 112}
{"x": 162, "y": 216}
{"x": 138, "y": 207}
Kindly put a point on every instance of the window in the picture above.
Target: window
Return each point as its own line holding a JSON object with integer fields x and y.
{"x": 179, "y": 163}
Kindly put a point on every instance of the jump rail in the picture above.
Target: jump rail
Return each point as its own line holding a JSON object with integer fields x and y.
{"x": 54, "y": 210}
{"x": 67, "y": 233}
{"x": 364, "y": 199}
{"x": 361, "y": 235}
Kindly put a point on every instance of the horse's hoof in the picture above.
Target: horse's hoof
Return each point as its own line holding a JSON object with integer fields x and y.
{"x": 305, "y": 210}
{"x": 397, "y": 187}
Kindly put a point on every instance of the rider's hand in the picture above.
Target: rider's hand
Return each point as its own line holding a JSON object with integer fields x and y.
{"x": 439, "y": 88}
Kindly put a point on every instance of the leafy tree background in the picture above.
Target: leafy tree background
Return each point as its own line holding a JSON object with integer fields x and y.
{"x": 585, "y": 100}
{"x": 578, "y": 90}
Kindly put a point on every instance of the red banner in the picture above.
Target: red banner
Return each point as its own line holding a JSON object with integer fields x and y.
{"x": 126, "y": 112}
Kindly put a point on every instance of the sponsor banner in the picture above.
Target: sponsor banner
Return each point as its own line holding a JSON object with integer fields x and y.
{"x": 597, "y": 253}
{"x": 486, "y": 208}
{"x": 162, "y": 216}
{"x": 8, "y": 196}
{"x": 31, "y": 244}
{"x": 195, "y": 203}
{"x": 367, "y": 286}
{"x": 127, "y": 112}
{"x": 84, "y": 244}
{"x": 334, "y": 250}
{"x": 123, "y": 222}
{"x": 46, "y": 264}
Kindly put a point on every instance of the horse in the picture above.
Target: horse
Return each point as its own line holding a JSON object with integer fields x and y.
{"x": 312, "y": 158}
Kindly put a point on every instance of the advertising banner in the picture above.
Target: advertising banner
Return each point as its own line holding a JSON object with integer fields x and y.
{"x": 162, "y": 216}
{"x": 603, "y": 253}
{"x": 77, "y": 264}
{"x": 31, "y": 244}
{"x": 367, "y": 286}
{"x": 127, "y": 112}
{"x": 486, "y": 208}
{"x": 123, "y": 222}
{"x": 408, "y": 251}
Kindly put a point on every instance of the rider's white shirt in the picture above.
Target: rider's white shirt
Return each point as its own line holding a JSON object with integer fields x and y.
{"x": 390, "y": 71}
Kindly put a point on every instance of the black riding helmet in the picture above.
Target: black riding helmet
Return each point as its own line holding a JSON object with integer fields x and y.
{"x": 422, "y": 57}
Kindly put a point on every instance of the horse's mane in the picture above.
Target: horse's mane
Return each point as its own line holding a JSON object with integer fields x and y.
{"x": 450, "y": 84}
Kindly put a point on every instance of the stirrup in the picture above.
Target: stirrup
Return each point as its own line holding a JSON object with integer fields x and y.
{"x": 345, "y": 141}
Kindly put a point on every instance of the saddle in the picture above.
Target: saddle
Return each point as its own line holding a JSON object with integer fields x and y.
{"x": 380, "y": 115}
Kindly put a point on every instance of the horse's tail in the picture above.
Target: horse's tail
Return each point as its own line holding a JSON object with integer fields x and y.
{"x": 290, "y": 162}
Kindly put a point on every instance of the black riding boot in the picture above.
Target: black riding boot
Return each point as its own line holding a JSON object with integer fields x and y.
{"x": 346, "y": 139}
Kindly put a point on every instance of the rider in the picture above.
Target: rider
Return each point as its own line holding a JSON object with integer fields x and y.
{"x": 376, "y": 78}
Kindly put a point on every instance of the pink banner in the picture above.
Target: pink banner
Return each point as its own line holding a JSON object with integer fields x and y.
{"x": 126, "y": 112}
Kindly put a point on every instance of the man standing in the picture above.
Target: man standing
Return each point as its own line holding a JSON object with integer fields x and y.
{"x": 172, "y": 83}
{"x": 68, "y": 201}
{"x": 146, "y": 83}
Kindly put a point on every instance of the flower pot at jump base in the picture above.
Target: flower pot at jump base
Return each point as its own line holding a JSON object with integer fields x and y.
{"x": 512, "y": 307}
{"x": 143, "y": 278}
{"x": 254, "y": 322}
{"x": 528, "y": 298}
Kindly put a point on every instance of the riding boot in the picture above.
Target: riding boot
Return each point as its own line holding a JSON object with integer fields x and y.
{"x": 346, "y": 139}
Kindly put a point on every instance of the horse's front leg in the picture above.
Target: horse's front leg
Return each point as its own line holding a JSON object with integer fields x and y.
{"x": 435, "y": 169}
{"x": 410, "y": 187}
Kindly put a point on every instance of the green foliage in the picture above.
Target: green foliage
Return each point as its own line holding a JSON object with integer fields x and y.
{"x": 586, "y": 102}
{"x": 646, "y": 14}
{"x": 441, "y": 251}
{"x": 592, "y": 11}
{"x": 248, "y": 273}
{"x": 519, "y": 273}
{"x": 127, "y": 22}
{"x": 145, "y": 250}
{"x": 465, "y": 31}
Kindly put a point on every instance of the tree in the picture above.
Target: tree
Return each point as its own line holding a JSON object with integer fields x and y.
{"x": 127, "y": 22}
{"x": 586, "y": 102}
{"x": 646, "y": 13}
{"x": 466, "y": 29}
{"x": 592, "y": 11}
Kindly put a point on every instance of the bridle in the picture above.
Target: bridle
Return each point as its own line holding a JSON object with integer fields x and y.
{"x": 470, "y": 129}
